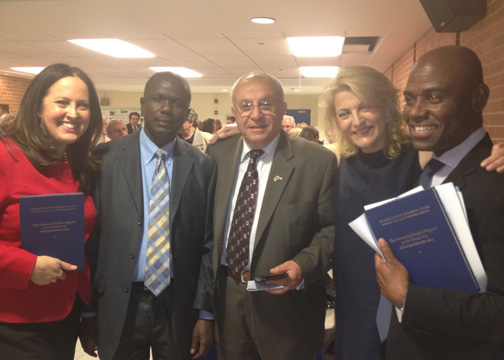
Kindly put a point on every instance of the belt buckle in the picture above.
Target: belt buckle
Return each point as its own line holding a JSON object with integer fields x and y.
{"x": 242, "y": 273}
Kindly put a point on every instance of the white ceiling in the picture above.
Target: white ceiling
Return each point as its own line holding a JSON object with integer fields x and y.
{"x": 215, "y": 38}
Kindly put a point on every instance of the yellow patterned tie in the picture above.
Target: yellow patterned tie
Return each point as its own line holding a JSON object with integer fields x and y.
{"x": 157, "y": 267}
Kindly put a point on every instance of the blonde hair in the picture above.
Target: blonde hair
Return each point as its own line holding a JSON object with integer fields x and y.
{"x": 373, "y": 89}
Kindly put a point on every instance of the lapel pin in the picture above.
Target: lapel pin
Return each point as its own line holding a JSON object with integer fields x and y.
{"x": 276, "y": 178}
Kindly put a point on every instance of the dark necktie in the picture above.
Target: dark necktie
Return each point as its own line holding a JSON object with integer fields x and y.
{"x": 237, "y": 253}
{"x": 157, "y": 267}
{"x": 428, "y": 172}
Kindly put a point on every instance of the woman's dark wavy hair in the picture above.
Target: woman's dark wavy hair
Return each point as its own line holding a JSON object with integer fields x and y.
{"x": 38, "y": 146}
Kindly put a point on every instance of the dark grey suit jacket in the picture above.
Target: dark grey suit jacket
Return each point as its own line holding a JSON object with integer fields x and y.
{"x": 118, "y": 235}
{"x": 295, "y": 223}
{"x": 442, "y": 324}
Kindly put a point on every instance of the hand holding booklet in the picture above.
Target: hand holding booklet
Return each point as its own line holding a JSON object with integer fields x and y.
{"x": 429, "y": 234}
{"x": 53, "y": 225}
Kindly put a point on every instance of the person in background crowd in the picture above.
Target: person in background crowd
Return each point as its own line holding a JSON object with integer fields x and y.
{"x": 134, "y": 119}
{"x": 5, "y": 121}
{"x": 288, "y": 123}
{"x": 310, "y": 133}
{"x": 103, "y": 135}
{"x": 208, "y": 126}
{"x": 116, "y": 129}
{"x": 218, "y": 125}
{"x": 46, "y": 151}
{"x": 191, "y": 134}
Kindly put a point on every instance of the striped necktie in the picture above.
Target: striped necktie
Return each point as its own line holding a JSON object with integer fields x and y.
{"x": 157, "y": 267}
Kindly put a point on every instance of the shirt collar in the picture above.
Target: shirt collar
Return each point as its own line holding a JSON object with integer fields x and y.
{"x": 148, "y": 148}
{"x": 453, "y": 156}
{"x": 269, "y": 150}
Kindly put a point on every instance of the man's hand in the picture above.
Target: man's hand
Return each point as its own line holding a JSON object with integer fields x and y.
{"x": 226, "y": 131}
{"x": 88, "y": 335}
{"x": 495, "y": 162}
{"x": 202, "y": 338}
{"x": 49, "y": 270}
{"x": 392, "y": 276}
{"x": 291, "y": 281}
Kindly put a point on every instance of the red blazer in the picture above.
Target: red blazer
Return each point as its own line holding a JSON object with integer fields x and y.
{"x": 22, "y": 301}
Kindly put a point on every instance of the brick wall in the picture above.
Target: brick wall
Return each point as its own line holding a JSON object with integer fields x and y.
{"x": 486, "y": 38}
{"x": 12, "y": 90}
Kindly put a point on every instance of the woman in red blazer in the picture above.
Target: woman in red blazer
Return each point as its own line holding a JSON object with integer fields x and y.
{"x": 46, "y": 150}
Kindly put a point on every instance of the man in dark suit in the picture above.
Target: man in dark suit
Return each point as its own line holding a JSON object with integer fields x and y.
{"x": 290, "y": 231}
{"x": 132, "y": 317}
{"x": 445, "y": 97}
{"x": 133, "y": 126}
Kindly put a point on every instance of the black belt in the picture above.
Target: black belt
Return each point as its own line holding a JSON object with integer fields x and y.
{"x": 139, "y": 286}
{"x": 243, "y": 276}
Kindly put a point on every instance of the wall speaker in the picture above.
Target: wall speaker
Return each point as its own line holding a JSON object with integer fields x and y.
{"x": 454, "y": 15}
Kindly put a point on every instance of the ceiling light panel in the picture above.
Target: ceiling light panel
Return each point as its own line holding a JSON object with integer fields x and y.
{"x": 113, "y": 47}
{"x": 322, "y": 46}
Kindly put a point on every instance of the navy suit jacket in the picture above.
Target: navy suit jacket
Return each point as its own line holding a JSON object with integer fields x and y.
{"x": 443, "y": 324}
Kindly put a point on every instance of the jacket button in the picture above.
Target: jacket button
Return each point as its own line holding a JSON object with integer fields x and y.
{"x": 125, "y": 289}
{"x": 131, "y": 255}
{"x": 140, "y": 222}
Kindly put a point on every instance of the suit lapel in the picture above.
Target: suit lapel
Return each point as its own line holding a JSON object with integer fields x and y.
{"x": 227, "y": 168}
{"x": 182, "y": 167}
{"x": 279, "y": 177}
{"x": 129, "y": 162}
{"x": 470, "y": 163}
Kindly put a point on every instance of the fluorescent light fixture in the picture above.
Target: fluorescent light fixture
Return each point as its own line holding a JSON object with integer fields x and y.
{"x": 296, "y": 90}
{"x": 319, "y": 71}
{"x": 225, "y": 90}
{"x": 29, "y": 70}
{"x": 113, "y": 47}
{"x": 182, "y": 71}
{"x": 263, "y": 20}
{"x": 323, "y": 46}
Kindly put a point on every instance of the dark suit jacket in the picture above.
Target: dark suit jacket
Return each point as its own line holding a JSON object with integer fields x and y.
{"x": 130, "y": 128}
{"x": 442, "y": 324}
{"x": 295, "y": 224}
{"x": 119, "y": 230}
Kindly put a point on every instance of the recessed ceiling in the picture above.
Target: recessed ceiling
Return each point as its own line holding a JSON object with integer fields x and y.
{"x": 214, "y": 38}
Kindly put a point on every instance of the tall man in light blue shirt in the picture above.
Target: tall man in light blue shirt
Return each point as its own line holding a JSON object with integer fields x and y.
{"x": 445, "y": 97}
{"x": 173, "y": 318}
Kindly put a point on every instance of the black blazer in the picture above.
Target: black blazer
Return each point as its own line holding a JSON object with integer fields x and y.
{"x": 118, "y": 232}
{"x": 442, "y": 324}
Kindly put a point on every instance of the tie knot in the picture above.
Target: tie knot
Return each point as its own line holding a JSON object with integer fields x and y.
{"x": 433, "y": 166}
{"x": 254, "y": 154}
{"x": 160, "y": 154}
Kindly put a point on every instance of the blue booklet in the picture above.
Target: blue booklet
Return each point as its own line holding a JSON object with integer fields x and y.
{"x": 422, "y": 238}
{"x": 53, "y": 225}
